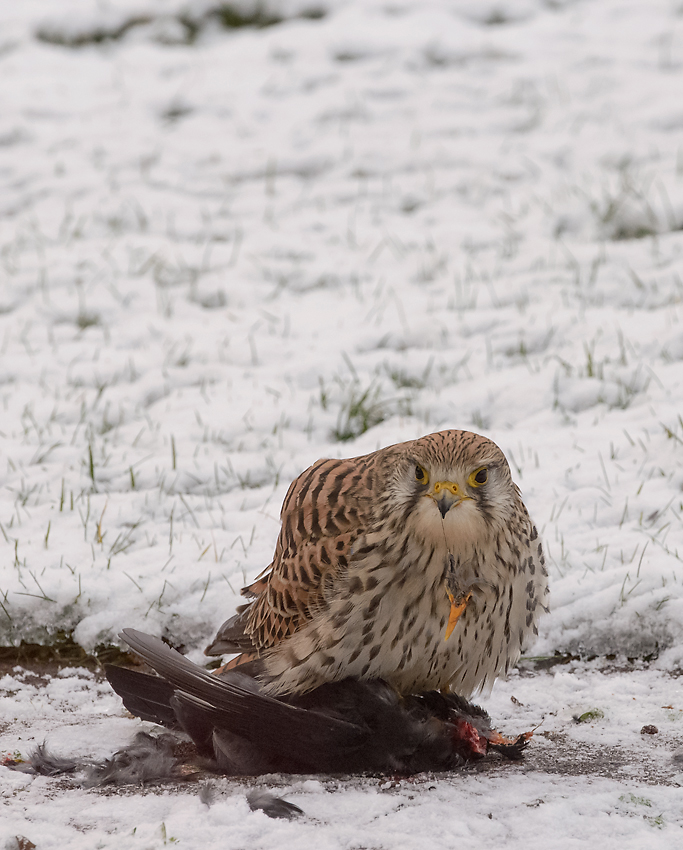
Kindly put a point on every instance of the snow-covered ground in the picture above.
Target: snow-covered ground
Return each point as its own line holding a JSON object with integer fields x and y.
{"x": 225, "y": 253}
{"x": 599, "y": 783}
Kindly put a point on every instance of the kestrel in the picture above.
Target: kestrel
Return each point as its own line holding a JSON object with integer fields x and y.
{"x": 417, "y": 564}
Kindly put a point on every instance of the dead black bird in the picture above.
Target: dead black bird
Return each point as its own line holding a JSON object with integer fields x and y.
{"x": 350, "y": 726}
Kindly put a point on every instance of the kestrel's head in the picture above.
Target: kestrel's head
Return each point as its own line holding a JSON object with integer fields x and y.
{"x": 454, "y": 481}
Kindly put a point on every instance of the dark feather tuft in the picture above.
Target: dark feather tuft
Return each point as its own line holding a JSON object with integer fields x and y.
{"x": 274, "y": 807}
{"x": 44, "y": 763}
{"x": 146, "y": 759}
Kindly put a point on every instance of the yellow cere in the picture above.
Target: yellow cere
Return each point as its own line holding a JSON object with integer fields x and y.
{"x": 447, "y": 485}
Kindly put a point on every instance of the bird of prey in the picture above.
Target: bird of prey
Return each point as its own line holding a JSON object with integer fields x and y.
{"x": 416, "y": 564}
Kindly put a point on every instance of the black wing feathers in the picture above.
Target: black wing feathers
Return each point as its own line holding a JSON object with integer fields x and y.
{"x": 147, "y": 697}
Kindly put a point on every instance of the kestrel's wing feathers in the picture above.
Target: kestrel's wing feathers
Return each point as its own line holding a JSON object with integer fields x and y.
{"x": 326, "y": 509}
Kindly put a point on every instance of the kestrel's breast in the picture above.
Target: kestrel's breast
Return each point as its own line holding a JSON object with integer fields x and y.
{"x": 378, "y": 620}
{"x": 500, "y": 620}
{"x": 387, "y": 618}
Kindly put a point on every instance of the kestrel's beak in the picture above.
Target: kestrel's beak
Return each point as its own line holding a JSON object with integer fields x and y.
{"x": 457, "y": 607}
{"x": 446, "y": 494}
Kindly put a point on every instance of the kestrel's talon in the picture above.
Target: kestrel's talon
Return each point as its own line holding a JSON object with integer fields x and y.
{"x": 457, "y": 607}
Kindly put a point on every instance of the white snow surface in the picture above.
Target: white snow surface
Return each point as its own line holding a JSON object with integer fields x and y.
{"x": 223, "y": 249}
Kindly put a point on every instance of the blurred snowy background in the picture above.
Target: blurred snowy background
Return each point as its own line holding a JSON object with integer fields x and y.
{"x": 237, "y": 237}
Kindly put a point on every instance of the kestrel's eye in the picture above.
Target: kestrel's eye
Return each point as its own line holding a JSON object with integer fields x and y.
{"x": 421, "y": 475}
{"x": 478, "y": 477}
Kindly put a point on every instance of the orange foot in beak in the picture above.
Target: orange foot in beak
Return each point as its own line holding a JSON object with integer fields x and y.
{"x": 457, "y": 607}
